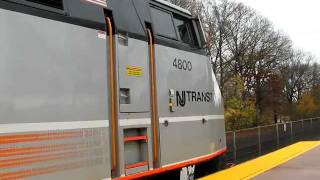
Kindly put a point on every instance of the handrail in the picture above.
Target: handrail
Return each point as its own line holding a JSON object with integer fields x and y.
{"x": 154, "y": 108}
{"x": 113, "y": 98}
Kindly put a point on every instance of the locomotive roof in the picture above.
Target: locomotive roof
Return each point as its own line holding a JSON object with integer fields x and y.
{"x": 173, "y": 6}
{"x": 129, "y": 16}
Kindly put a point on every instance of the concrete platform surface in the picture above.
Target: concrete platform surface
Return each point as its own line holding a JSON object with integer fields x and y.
{"x": 297, "y": 161}
{"x": 306, "y": 167}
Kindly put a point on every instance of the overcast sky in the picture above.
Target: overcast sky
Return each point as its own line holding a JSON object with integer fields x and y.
{"x": 300, "y": 19}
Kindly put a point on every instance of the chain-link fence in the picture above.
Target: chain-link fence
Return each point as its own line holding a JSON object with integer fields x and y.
{"x": 247, "y": 144}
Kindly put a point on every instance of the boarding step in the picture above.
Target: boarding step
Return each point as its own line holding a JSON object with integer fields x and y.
{"x": 136, "y": 150}
{"x": 135, "y": 138}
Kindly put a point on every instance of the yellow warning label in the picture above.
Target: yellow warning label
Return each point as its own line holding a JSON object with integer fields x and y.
{"x": 134, "y": 71}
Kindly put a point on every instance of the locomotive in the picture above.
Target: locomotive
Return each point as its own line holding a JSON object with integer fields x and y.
{"x": 105, "y": 89}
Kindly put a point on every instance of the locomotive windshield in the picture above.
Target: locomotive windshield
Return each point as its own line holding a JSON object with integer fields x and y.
{"x": 185, "y": 30}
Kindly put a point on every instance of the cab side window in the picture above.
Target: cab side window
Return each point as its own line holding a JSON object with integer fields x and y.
{"x": 163, "y": 24}
{"x": 174, "y": 26}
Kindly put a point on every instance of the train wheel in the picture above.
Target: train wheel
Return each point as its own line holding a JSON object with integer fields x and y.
{"x": 209, "y": 167}
{"x": 187, "y": 173}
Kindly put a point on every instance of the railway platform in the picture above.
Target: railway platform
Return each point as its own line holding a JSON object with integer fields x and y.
{"x": 297, "y": 161}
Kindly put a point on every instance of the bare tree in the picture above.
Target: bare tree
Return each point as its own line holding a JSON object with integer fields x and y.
{"x": 247, "y": 52}
{"x": 296, "y": 75}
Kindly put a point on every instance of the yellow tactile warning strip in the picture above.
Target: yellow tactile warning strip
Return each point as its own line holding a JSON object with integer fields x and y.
{"x": 264, "y": 163}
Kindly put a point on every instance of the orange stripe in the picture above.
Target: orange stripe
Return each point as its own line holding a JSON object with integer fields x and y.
{"x": 40, "y": 137}
{"x": 175, "y": 166}
{"x": 37, "y": 149}
{"x": 10, "y": 163}
{"x": 135, "y": 138}
{"x": 16, "y": 136}
{"x": 28, "y": 173}
{"x": 40, "y": 171}
{"x": 131, "y": 166}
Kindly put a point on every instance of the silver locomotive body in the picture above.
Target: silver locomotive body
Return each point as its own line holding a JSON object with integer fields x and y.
{"x": 55, "y": 120}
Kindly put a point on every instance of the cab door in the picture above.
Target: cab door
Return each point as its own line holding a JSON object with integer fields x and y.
{"x": 133, "y": 74}
{"x": 135, "y": 120}
{"x": 137, "y": 91}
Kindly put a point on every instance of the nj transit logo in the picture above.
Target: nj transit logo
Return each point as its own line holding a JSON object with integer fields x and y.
{"x": 184, "y": 97}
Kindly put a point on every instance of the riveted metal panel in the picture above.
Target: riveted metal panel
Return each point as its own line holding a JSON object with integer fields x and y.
{"x": 52, "y": 73}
